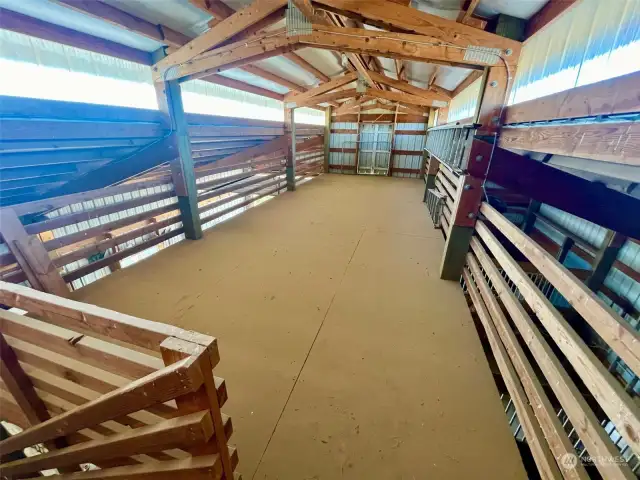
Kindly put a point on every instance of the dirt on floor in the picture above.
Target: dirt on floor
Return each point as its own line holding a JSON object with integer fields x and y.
{"x": 344, "y": 354}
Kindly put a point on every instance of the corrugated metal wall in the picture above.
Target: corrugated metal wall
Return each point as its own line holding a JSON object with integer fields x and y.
{"x": 410, "y": 143}
{"x": 465, "y": 103}
{"x": 343, "y": 158}
{"x": 343, "y": 141}
{"x": 593, "y": 41}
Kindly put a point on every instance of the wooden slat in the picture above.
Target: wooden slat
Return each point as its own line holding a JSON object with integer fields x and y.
{"x": 545, "y": 462}
{"x": 93, "y": 351}
{"x": 613, "y": 329}
{"x": 575, "y": 406}
{"x": 553, "y": 431}
{"x": 176, "y": 351}
{"x": 179, "y": 432}
{"x": 72, "y": 218}
{"x": 609, "y": 394}
{"x": 224, "y": 30}
{"x": 609, "y": 97}
{"x": 207, "y": 467}
{"x": 83, "y": 317}
{"x": 31, "y": 255}
{"x": 178, "y": 379}
{"x": 106, "y": 228}
{"x": 606, "y": 142}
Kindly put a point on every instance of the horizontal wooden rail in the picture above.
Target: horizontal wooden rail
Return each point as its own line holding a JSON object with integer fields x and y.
{"x": 83, "y": 318}
{"x": 609, "y": 394}
{"x": 575, "y": 406}
{"x": 609, "y": 97}
{"x": 185, "y": 431}
{"x": 549, "y": 423}
{"x": 105, "y": 228}
{"x": 613, "y": 329}
{"x": 70, "y": 219}
{"x": 245, "y": 203}
{"x": 543, "y": 457}
{"x": 111, "y": 259}
{"x": 177, "y": 379}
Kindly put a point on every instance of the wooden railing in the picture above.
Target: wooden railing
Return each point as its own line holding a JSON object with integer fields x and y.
{"x": 557, "y": 350}
{"x": 82, "y": 236}
{"x": 134, "y": 398}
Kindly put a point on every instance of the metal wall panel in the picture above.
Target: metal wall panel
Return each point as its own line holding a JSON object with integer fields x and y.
{"x": 593, "y": 41}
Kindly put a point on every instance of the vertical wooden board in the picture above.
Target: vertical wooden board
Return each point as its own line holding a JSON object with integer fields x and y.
{"x": 31, "y": 255}
{"x": 290, "y": 134}
{"x": 494, "y": 98}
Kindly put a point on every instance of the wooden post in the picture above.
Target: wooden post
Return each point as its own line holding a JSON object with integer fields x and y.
{"x": 327, "y": 137}
{"x": 530, "y": 218}
{"x": 31, "y": 255}
{"x": 463, "y": 218}
{"x": 357, "y": 154}
{"x": 170, "y": 104}
{"x": 206, "y": 398}
{"x": 393, "y": 142}
{"x": 605, "y": 259}
{"x": 290, "y": 133}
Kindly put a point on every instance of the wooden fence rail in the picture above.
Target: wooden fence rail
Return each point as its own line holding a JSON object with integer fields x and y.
{"x": 488, "y": 268}
{"x": 130, "y": 413}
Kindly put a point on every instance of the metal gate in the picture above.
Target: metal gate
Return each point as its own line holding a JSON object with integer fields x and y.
{"x": 374, "y": 153}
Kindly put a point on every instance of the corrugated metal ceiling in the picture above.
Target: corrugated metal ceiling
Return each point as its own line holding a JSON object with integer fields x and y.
{"x": 184, "y": 17}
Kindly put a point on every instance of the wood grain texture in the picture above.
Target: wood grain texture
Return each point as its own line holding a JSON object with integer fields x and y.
{"x": 606, "y": 142}
{"x": 609, "y": 97}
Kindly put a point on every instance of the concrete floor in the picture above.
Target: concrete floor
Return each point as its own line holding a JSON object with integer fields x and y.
{"x": 345, "y": 356}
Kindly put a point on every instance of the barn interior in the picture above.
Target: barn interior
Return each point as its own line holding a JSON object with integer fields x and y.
{"x": 388, "y": 238}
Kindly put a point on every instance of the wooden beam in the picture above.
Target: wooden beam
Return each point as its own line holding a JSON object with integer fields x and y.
{"x": 262, "y": 73}
{"x": 327, "y": 137}
{"x": 582, "y": 417}
{"x": 302, "y": 63}
{"x": 235, "y": 55}
{"x": 226, "y": 29}
{"x": 609, "y": 97}
{"x": 120, "y": 18}
{"x": 408, "y": 88}
{"x": 605, "y": 259}
{"x": 24, "y": 24}
{"x": 388, "y": 44}
{"x": 305, "y": 7}
{"x": 552, "y": 10}
{"x": 31, "y": 255}
{"x": 588, "y": 200}
{"x": 293, "y": 100}
{"x": 169, "y": 96}
{"x": 472, "y": 77}
{"x": 245, "y": 87}
{"x": 351, "y": 104}
{"x": 380, "y": 13}
{"x": 327, "y": 97}
{"x": 290, "y": 135}
{"x": 399, "y": 97}
{"x": 465, "y": 15}
{"x": 605, "y": 142}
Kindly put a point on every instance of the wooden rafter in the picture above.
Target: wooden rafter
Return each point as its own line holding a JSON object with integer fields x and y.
{"x": 408, "y": 88}
{"x": 328, "y": 97}
{"x": 352, "y": 104}
{"x": 473, "y": 76}
{"x": 164, "y": 34}
{"x": 379, "y": 13}
{"x": 399, "y": 97}
{"x": 302, "y": 63}
{"x": 221, "y": 32}
{"x": 389, "y": 44}
{"x": 320, "y": 89}
{"x": 245, "y": 87}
